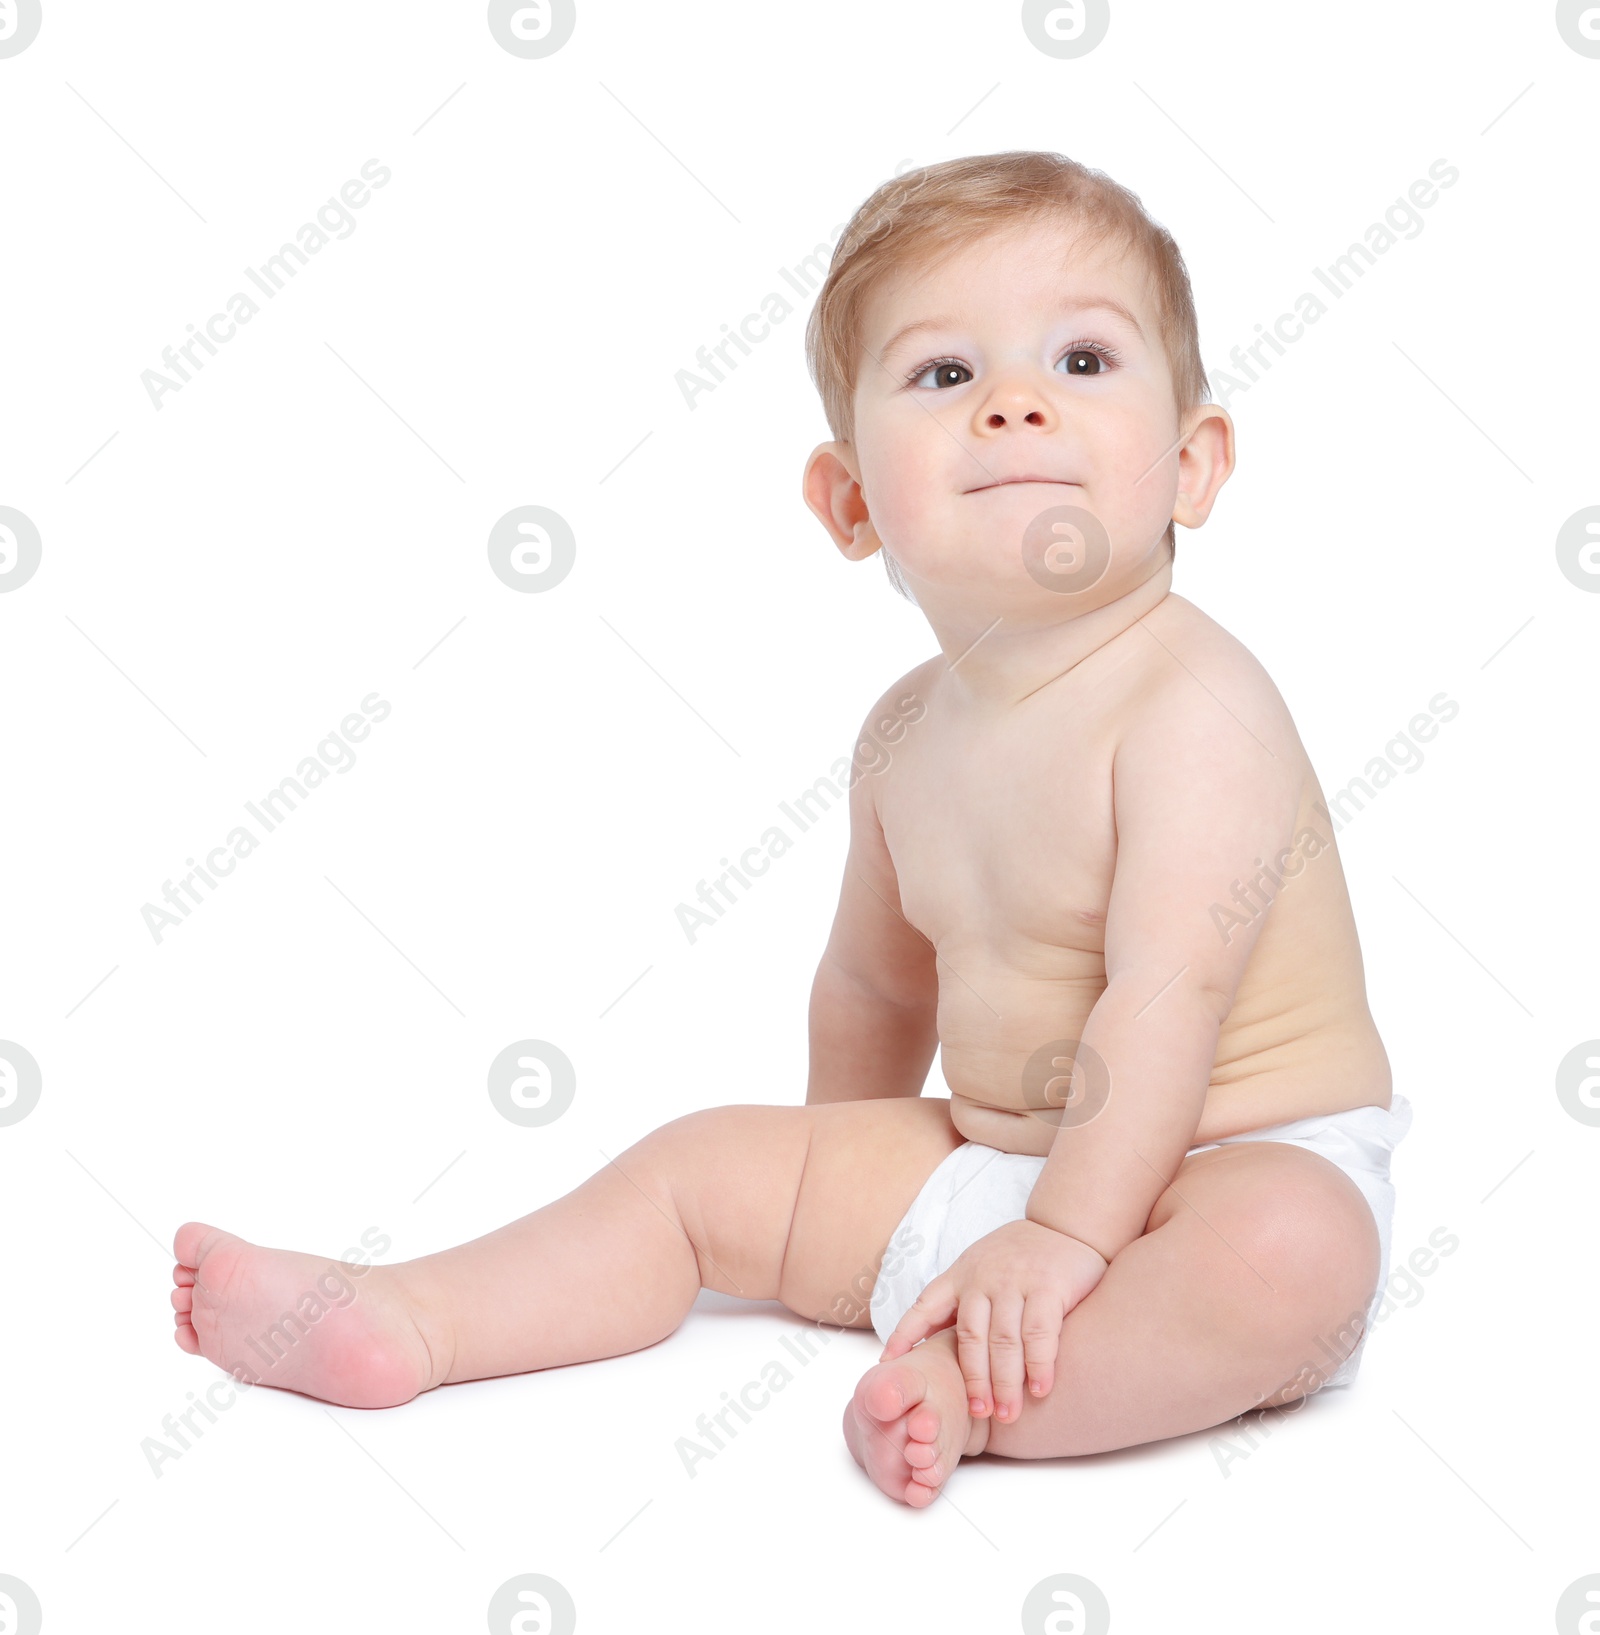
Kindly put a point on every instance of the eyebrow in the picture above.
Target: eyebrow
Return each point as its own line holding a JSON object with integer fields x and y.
{"x": 1097, "y": 303}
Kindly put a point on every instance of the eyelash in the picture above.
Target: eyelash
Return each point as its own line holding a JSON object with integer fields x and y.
{"x": 1108, "y": 353}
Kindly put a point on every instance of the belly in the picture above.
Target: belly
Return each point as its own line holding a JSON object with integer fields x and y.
{"x": 1272, "y": 1064}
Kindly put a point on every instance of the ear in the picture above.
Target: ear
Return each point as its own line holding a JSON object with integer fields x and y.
{"x": 1205, "y": 462}
{"x": 831, "y": 487}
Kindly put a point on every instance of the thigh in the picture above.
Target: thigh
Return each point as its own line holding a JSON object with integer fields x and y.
{"x": 865, "y": 1164}
{"x": 1277, "y": 1190}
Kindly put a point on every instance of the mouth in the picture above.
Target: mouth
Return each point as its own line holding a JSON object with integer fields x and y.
{"x": 1023, "y": 482}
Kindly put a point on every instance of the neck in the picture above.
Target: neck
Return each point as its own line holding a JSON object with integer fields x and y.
{"x": 997, "y": 660}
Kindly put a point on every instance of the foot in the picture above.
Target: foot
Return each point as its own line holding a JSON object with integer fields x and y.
{"x": 908, "y": 1426}
{"x": 333, "y": 1331}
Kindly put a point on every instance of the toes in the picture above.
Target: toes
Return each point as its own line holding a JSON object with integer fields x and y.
{"x": 923, "y": 1425}
{"x": 893, "y": 1406}
{"x": 881, "y": 1396}
{"x": 194, "y": 1240}
{"x": 183, "y": 1276}
{"x": 187, "y": 1339}
{"x": 919, "y": 1455}
{"x": 888, "y": 1391}
{"x": 182, "y": 1300}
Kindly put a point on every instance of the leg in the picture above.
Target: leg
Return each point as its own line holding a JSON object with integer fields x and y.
{"x": 1256, "y": 1266}
{"x": 791, "y": 1203}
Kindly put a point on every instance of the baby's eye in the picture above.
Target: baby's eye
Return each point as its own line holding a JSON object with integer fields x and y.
{"x": 943, "y": 370}
{"x": 1088, "y": 360}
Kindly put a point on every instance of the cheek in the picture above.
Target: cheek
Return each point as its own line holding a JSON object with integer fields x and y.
{"x": 1139, "y": 469}
{"x": 1132, "y": 435}
{"x": 903, "y": 482}
{"x": 899, "y": 501}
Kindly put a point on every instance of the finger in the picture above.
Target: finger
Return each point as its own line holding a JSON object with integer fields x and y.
{"x": 1041, "y": 1341}
{"x": 972, "y": 1352}
{"x": 930, "y": 1311}
{"x": 1005, "y": 1356}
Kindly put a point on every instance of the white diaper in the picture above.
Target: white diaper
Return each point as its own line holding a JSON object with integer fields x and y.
{"x": 979, "y": 1188}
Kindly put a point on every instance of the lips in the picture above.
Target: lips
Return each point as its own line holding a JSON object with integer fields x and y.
{"x": 1010, "y": 482}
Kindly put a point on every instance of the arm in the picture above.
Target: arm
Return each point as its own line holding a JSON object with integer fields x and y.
{"x": 1199, "y": 801}
{"x": 862, "y": 1044}
{"x": 876, "y": 993}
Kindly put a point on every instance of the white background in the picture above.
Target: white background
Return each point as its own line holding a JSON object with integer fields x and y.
{"x": 304, "y": 523}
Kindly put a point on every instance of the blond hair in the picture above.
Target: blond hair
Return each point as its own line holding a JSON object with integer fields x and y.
{"x": 923, "y": 217}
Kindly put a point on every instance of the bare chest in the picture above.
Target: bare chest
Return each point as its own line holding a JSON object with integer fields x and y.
{"x": 1003, "y": 835}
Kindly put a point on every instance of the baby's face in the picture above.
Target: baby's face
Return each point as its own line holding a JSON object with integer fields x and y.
{"x": 1034, "y": 358}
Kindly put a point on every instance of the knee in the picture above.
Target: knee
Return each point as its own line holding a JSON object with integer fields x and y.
{"x": 687, "y": 1131}
{"x": 703, "y": 1141}
{"x": 671, "y": 1161}
{"x": 732, "y": 1175}
{"x": 1307, "y": 1235}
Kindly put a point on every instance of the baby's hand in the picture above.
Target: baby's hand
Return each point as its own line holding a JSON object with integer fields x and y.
{"x": 1008, "y": 1296}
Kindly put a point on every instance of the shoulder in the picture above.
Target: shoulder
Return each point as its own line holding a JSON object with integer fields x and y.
{"x": 1201, "y": 677}
{"x": 892, "y": 715}
{"x": 1190, "y": 634}
{"x": 906, "y": 701}
{"x": 1197, "y": 667}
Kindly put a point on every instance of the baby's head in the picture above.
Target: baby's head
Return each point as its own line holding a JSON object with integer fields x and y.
{"x": 1008, "y": 316}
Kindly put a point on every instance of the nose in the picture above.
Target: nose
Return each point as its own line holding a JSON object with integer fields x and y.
{"x": 1015, "y": 401}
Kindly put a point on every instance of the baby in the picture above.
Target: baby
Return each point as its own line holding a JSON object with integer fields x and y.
{"x": 1096, "y": 873}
